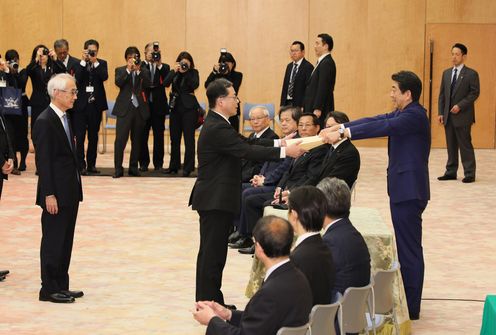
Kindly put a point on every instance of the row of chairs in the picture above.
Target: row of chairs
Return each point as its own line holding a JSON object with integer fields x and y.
{"x": 107, "y": 124}
{"x": 373, "y": 302}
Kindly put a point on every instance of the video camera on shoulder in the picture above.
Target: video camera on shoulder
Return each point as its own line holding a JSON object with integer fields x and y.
{"x": 223, "y": 67}
{"x": 156, "y": 52}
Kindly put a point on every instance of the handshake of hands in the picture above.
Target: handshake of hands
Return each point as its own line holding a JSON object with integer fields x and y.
{"x": 206, "y": 310}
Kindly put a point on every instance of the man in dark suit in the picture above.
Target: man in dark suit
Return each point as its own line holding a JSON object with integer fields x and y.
{"x": 349, "y": 251}
{"x": 284, "y": 300}
{"x": 63, "y": 62}
{"x": 459, "y": 90}
{"x": 157, "y": 102}
{"x": 301, "y": 170}
{"x": 307, "y": 210}
{"x": 259, "y": 121}
{"x": 91, "y": 73}
{"x": 59, "y": 189}
{"x": 409, "y": 146}
{"x": 131, "y": 109}
{"x": 296, "y": 76}
{"x": 319, "y": 93}
{"x": 217, "y": 191}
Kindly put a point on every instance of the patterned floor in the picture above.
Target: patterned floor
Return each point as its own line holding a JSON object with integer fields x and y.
{"x": 136, "y": 243}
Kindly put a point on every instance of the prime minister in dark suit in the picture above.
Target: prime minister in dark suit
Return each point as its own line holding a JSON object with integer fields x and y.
{"x": 284, "y": 300}
{"x": 349, "y": 251}
{"x": 458, "y": 92}
{"x": 296, "y": 76}
{"x": 217, "y": 191}
{"x": 319, "y": 93}
{"x": 59, "y": 189}
{"x": 131, "y": 110}
{"x": 409, "y": 142}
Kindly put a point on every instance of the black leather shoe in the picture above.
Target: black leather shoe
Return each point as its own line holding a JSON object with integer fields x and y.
{"x": 133, "y": 173}
{"x": 118, "y": 174}
{"x": 84, "y": 172}
{"x": 414, "y": 316}
{"x": 157, "y": 168}
{"x": 247, "y": 251}
{"x": 22, "y": 167}
{"x": 143, "y": 168}
{"x": 59, "y": 298}
{"x": 446, "y": 177}
{"x": 169, "y": 171}
{"x": 3, "y": 273}
{"x": 74, "y": 294}
{"x": 234, "y": 237}
{"x": 16, "y": 172}
{"x": 2, "y": 278}
{"x": 186, "y": 173}
{"x": 243, "y": 242}
{"x": 92, "y": 170}
{"x": 468, "y": 180}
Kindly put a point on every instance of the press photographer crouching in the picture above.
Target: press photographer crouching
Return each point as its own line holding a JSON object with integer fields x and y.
{"x": 226, "y": 68}
{"x": 183, "y": 112}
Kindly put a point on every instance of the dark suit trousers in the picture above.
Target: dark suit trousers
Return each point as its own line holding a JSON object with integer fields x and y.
{"x": 215, "y": 226}
{"x": 247, "y": 192}
{"x": 407, "y": 222}
{"x": 56, "y": 248}
{"x": 253, "y": 210}
{"x": 459, "y": 138}
{"x": 156, "y": 122}
{"x": 182, "y": 123}
{"x": 89, "y": 120}
{"x": 132, "y": 123}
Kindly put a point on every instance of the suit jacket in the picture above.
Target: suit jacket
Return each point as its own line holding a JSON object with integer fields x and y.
{"x": 409, "y": 145}
{"x": 249, "y": 168}
{"x": 343, "y": 163}
{"x": 6, "y": 150}
{"x": 284, "y": 300}
{"x": 184, "y": 84}
{"x": 71, "y": 68}
{"x": 465, "y": 93}
{"x": 319, "y": 93}
{"x": 304, "y": 168}
{"x": 220, "y": 150}
{"x": 39, "y": 81}
{"x": 314, "y": 259}
{"x": 95, "y": 76}
{"x": 300, "y": 83}
{"x": 349, "y": 253}
{"x": 56, "y": 161}
{"x": 124, "y": 81}
{"x": 157, "y": 89}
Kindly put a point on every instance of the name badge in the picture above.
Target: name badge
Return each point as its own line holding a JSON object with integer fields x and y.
{"x": 90, "y": 89}
{"x": 3, "y": 83}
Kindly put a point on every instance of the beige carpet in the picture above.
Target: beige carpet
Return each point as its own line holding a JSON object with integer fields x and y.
{"x": 136, "y": 243}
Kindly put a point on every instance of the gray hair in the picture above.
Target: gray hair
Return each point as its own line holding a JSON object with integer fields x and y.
{"x": 61, "y": 43}
{"x": 58, "y": 82}
{"x": 338, "y": 197}
{"x": 263, "y": 108}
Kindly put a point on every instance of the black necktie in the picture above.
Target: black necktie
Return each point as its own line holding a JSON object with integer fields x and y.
{"x": 291, "y": 80}
{"x": 453, "y": 82}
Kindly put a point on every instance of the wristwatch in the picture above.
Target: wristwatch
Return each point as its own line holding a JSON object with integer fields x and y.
{"x": 341, "y": 132}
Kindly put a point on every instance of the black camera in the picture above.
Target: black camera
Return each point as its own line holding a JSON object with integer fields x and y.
{"x": 13, "y": 64}
{"x": 45, "y": 52}
{"x": 172, "y": 99}
{"x": 156, "y": 52}
{"x": 184, "y": 66}
{"x": 91, "y": 53}
{"x": 137, "y": 60}
{"x": 223, "y": 68}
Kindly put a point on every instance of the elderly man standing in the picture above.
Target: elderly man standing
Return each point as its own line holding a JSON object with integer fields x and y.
{"x": 285, "y": 298}
{"x": 260, "y": 122}
{"x": 59, "y": 189}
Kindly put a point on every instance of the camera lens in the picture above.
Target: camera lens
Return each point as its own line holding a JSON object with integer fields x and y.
{"x": 45, "y": 52}
{"x": 137, "y": 61}
{"x": 184, "y": 66}
{"x": 92, "y": 53}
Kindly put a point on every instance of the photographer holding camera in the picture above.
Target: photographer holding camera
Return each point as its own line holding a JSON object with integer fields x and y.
{"x": 131, "y": 110}
{"x": 90, "y": 74}
{"x": 18, "y": 124}
{"x": 157, "y": 101}
{"x": 40, "y": 70}
{"x": 183, "y": 109}
{"x": 226, "y": 68}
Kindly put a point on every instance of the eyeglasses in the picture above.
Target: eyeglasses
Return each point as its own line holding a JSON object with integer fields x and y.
{"x": 73, "y": 92}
